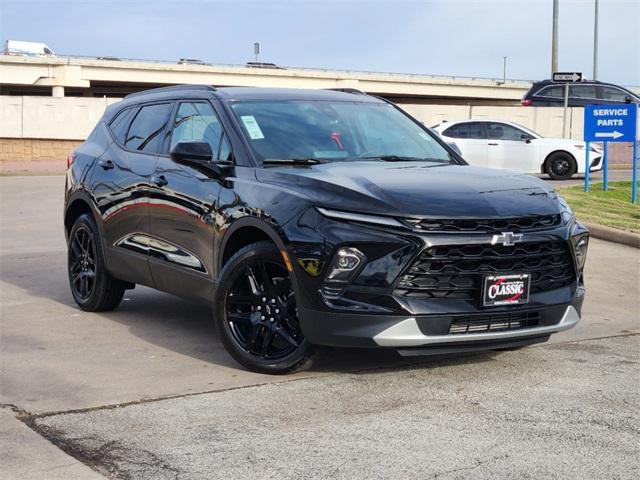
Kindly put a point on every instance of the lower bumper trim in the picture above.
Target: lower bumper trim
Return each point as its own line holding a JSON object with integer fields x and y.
{"x": 406, "y": 333}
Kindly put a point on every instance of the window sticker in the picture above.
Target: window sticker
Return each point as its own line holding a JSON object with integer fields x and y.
{"x": 252, "y": 127}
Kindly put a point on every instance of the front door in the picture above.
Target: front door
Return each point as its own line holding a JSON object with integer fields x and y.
{"x": 183, "y": 206}
{"x": 510, "y": 148}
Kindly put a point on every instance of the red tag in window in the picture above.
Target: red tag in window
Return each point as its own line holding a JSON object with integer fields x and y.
{"x": 335, "y": 136}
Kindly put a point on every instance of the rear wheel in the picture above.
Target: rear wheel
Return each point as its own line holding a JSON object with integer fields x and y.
{"x": 256, "y": 313}
{"x": 92, "y": 287}
{"x": 561, "y": 166}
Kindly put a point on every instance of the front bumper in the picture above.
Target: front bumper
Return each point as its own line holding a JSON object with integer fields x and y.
{"x": 391, "y": 304}
{"x": 405, "y": 331}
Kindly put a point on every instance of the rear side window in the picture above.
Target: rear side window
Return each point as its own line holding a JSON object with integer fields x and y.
{"x": 465, "y": 130}
{"x": 556, "y": 91}
{"x": 144, "y": 134}
{"x": 120, "y": 124}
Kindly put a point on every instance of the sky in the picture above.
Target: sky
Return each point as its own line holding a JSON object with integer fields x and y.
{"x": 439, "y": 37}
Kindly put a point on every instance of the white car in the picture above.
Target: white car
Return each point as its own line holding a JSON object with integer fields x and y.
{"x": 509, "y": 146}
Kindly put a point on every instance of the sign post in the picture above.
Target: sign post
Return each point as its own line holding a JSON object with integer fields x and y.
{"x": 566, "y": 78}
{"x": 611, "y": 123}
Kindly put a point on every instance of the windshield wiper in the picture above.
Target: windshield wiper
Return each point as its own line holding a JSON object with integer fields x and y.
{"x": 293, "y": 161}
{"x": 398, "y": 158}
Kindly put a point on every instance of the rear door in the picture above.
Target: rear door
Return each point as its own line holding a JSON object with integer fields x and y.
{"x": 470, "y": 138}
{"x": 583, "y": 94}
{"x": 121, "y": 185}
{"x": 183, "y": 205}
{"x": 551, "y": 95}
{"x": 509, "y": 149}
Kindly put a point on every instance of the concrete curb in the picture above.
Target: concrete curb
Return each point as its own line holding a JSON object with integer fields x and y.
{"x": 613, "y": 235}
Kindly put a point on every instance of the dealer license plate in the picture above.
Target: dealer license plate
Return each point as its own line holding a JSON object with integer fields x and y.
{"x": 510, "y": 289}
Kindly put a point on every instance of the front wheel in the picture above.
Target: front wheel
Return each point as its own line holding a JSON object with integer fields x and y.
{"x": 256, "y": 314}
{"x": 561, "y": 166}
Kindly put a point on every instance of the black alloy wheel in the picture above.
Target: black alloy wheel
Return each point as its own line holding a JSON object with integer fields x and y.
{"x": 561, "y": 166}
{"x": 92, "y": 287}
{"x": 257, "y": 314}
{"x": 82, "y": 263}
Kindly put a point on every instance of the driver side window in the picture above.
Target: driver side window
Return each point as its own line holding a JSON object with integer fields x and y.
{"x": 502, "y": 131}
{"x": 197, "y": 121}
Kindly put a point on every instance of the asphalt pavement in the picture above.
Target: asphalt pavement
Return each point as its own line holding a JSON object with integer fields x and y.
{"x": 147, "y": 391}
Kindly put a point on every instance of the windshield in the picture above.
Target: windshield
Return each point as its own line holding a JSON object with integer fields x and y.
{"x": 334, "y": 131}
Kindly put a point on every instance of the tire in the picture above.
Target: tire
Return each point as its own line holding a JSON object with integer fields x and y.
{"x": 561, "y": 166}
{"x": 93, "y": 289}
{"x": 255, "y": 312}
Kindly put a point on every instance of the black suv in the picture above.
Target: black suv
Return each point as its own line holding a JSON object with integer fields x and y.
{"x": 588, "y": 92}
{"x": 311, "y": 217}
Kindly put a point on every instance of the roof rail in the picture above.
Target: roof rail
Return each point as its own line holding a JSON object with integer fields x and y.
{"x": 347, "y": 90}
{"x": 172, "y": 88}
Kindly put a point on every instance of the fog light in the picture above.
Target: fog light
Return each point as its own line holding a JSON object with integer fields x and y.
{"x": 346, "y": 265}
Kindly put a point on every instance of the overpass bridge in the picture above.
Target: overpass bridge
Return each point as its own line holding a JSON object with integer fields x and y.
{"x": 91, "y": 77}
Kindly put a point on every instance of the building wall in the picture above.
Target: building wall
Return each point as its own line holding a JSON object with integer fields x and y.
{"x": 47, "y": 128}
{"x": 31, "y": 149}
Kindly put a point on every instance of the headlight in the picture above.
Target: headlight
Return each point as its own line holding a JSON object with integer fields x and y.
{"x": 580, "y": 244}
{"x": 346, "y": 264}
{"x": 360, "y": 217}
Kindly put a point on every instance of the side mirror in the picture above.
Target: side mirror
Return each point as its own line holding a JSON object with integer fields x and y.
{"x": 191, "y": 152}
{"x": 198, "y": 155}
{"x": 627, "y": 99}
{"x": 526, "y": 138}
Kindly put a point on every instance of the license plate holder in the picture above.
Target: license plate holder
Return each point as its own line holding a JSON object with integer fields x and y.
{"x": 505, "y": 289}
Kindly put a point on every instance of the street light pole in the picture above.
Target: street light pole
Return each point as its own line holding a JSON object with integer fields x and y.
{"x": 504, "y": 69}
{"x": 595, "y": 42}
{"x": 554, "y": 39}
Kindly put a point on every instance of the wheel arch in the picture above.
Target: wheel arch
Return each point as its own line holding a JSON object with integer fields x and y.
{"x": 554, "y": 152}
{"x": 243, "y": 232}
{"x": 78, "y": 206}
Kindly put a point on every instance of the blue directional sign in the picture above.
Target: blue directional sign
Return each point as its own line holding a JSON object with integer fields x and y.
{"x": 610, "y": 123}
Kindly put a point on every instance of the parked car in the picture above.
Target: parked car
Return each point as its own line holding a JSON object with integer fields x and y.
{"x": 510, "y": 146}
{"x": 551, "y": 94}
{"x": 29, "y": 49}
{"x": 190, "y": 61}
{"x": 311, "y": 217}
{"x": 264, "y": 65}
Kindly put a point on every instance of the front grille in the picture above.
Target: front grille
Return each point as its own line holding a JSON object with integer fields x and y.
{"x": 494, "y": 322}
{"x": 456, "y": 271}
{"x": 491, "y": 225}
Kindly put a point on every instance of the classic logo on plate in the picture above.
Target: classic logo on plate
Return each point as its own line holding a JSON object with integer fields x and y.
{"x": 506, "y": 289}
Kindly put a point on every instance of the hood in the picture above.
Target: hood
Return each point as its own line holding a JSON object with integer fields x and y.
{"x": 415, "y": 189}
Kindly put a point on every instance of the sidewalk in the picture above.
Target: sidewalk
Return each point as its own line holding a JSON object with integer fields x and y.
{"x": 27, "y": 455}
{"x": 35, "y": 167}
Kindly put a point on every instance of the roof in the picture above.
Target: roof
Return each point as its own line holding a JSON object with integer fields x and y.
{"x": 252, "y": 93}
{"x": 257, "y": 93}
{"x": 239, "y": 93}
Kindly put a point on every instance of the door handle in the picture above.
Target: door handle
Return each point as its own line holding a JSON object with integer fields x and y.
{"x": 493, "y": 144}
{"x": 106, "y": 164}
{"x": 159, "y": 180}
